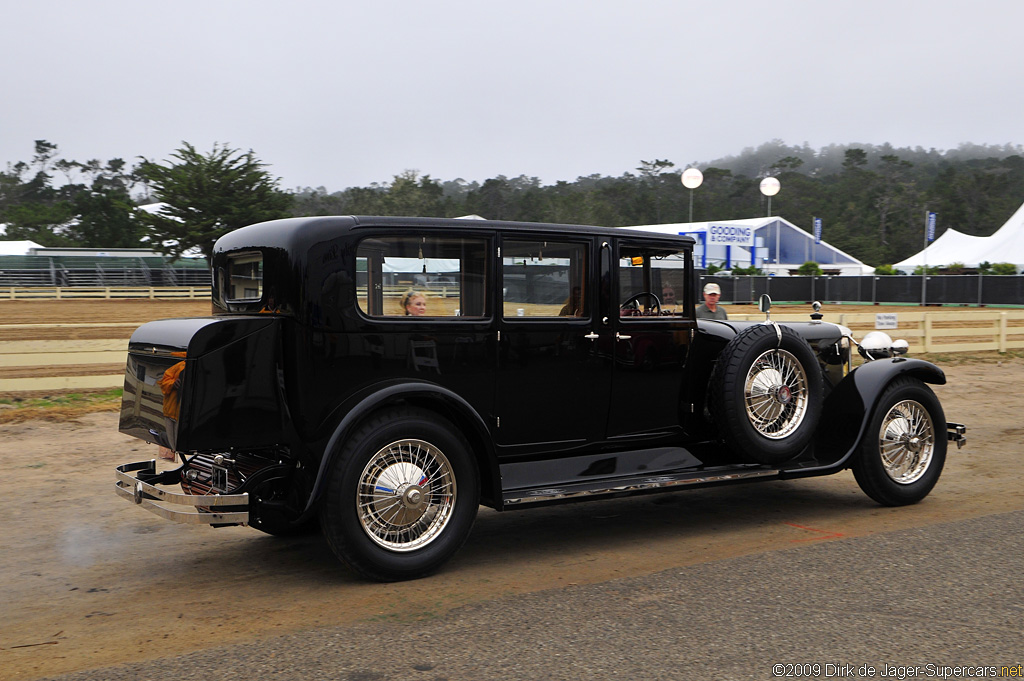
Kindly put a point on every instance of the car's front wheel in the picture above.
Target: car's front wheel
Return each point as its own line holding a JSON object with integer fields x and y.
{"x": 904, "y": 449}
{"x": 402, "y": 496}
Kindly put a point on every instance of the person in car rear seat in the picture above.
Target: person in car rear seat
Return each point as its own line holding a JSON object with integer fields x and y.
{"x": 414, "y": 303}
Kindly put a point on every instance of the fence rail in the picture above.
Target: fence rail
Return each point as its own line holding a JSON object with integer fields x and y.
{"x": 97, "y": 292}
{"x": 953, "y": 289}
{"x": 974, "y": 331}
{"x": 40, "y": 363}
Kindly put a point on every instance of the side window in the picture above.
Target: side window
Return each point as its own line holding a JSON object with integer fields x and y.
{"x": 652, "y": 281}
{"x": 244, "y": 277}
{"x": 544, "y": 279}
{"x": 422, "y": 276}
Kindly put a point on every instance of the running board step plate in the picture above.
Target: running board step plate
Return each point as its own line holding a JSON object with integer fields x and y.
{"x": 632, "y": 485}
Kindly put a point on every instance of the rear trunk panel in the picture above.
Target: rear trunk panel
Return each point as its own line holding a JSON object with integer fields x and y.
{"x": 204, "y": 384}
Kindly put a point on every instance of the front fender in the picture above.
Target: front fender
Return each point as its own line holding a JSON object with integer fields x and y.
{"x": 422, "y": 393}
{"x": 848, "y": 409}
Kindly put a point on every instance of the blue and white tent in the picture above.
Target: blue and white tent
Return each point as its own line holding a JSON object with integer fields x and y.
{"x": 772, "y": 244}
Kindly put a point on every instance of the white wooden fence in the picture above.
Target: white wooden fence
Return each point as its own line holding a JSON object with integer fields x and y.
{"x": 970, "y": 330}
{"x": 98, "y": 292}
{"x": 930, "y": 332}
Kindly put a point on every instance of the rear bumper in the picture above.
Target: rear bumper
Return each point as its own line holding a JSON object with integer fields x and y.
{"x": 162, "y": 502}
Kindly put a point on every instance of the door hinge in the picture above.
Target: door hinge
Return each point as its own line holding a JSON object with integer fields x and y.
{"x": 497, "y": 421}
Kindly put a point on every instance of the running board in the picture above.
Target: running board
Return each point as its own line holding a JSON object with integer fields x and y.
{"x": 632, "y": 485}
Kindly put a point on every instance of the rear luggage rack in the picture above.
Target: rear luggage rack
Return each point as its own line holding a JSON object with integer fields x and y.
{"x": 152, "y": 498}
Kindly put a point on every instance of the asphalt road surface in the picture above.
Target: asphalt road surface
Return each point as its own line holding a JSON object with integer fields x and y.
{"x": 945, "y": 601}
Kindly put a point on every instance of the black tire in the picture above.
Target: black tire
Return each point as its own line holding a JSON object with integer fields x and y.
{"x": 411, "y": 528}
{"x": 904, "y": 448}
{"x": 766, "y": 393}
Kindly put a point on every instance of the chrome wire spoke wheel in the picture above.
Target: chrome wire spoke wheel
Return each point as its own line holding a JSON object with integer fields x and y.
{"x": 906, "y": 441}
{"x": 406, "y": 495}
{"x": 775, "y": 394}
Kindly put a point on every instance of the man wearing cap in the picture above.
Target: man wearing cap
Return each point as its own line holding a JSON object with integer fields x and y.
{"x": 711, "y": 309}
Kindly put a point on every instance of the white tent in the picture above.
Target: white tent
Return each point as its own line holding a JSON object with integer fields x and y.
{"x": 17, "y": 247}
{"x": 1006, "y": 245}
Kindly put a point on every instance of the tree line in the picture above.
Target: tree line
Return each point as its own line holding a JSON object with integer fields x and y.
{"x": 872, "y": 199}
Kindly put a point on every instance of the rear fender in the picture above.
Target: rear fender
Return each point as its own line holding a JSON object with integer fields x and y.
{"x": 848, "y": 409}
{"x": 428, "y": 396}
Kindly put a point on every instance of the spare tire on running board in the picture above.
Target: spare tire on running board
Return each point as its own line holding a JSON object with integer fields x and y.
{"x": 766, "y": 393}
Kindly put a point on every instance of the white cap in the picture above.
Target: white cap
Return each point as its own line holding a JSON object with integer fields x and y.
{"x": 713, "y": 288}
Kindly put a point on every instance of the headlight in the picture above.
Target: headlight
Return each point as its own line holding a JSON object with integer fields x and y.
{"x": 878, "y": 344}
{"x": 875, "y": 345}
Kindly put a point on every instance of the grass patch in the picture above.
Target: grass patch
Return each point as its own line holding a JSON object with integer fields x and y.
{"x": 58, "y": 407}
{"x": 959, "y": 358}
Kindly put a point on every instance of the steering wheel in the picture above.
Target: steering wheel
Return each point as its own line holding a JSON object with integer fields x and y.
{"x": 633, "y": 303}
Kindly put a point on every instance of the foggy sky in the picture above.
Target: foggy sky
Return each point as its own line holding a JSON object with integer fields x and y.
{"x": 338, "y": 93}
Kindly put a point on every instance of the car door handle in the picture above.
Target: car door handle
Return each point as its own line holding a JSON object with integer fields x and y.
{"x": 591, "y": 336}
{"x": 622, "y": 336}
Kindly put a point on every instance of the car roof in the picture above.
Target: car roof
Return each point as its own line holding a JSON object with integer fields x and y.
{"x": 297, "y": 234}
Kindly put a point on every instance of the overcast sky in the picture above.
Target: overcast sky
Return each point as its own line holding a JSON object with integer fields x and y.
{"x": 341, "y": 93}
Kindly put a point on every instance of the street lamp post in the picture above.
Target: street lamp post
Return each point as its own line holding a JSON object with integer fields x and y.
{"x": 692, "y": 178}
{"x": 770, "y": 186}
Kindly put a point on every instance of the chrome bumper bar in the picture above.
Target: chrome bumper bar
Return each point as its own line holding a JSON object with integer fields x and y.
{"x": 154, "y": 499}
{"x": 955, "y": 433}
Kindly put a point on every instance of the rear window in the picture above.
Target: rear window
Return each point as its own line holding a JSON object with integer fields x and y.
{"x": 405, "y": 277}
{"x": 245, "y": 277}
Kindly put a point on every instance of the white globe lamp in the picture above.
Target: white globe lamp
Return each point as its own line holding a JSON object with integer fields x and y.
{"x": 692, "y": 178}
{"x": 770, "y": 186}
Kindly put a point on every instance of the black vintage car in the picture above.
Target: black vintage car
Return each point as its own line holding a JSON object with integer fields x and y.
{"x": 386, "y": 376}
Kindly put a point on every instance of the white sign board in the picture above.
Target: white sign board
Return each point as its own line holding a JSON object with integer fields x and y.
{"x": 886, "y": 320}
{"x": 730, "y": 235}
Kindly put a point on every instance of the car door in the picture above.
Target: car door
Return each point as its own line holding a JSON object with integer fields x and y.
{"x": 653, "y": 327}
{"x": 552, "y": 381}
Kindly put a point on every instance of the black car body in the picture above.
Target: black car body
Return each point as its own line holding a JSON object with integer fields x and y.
{"x": 546, "y": 369}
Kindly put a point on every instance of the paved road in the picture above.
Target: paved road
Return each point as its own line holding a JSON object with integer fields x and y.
{"x": 943, "y": 595}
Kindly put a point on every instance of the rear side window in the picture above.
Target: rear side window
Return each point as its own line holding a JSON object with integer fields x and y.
{"x": 405, "y": 277}
{"x": 544, "y": 279}
{"x": 245, "y": 277}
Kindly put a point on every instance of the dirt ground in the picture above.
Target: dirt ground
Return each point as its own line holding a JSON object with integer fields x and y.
{"x": 89, "y": 580}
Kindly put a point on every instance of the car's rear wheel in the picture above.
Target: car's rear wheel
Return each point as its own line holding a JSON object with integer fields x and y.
{"x": 766, "y": 393}
{"x": 904, "y": 448}
{"x": 402, "y": 496}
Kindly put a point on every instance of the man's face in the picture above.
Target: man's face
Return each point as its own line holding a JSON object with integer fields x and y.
{"x": 711, "y": 299}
